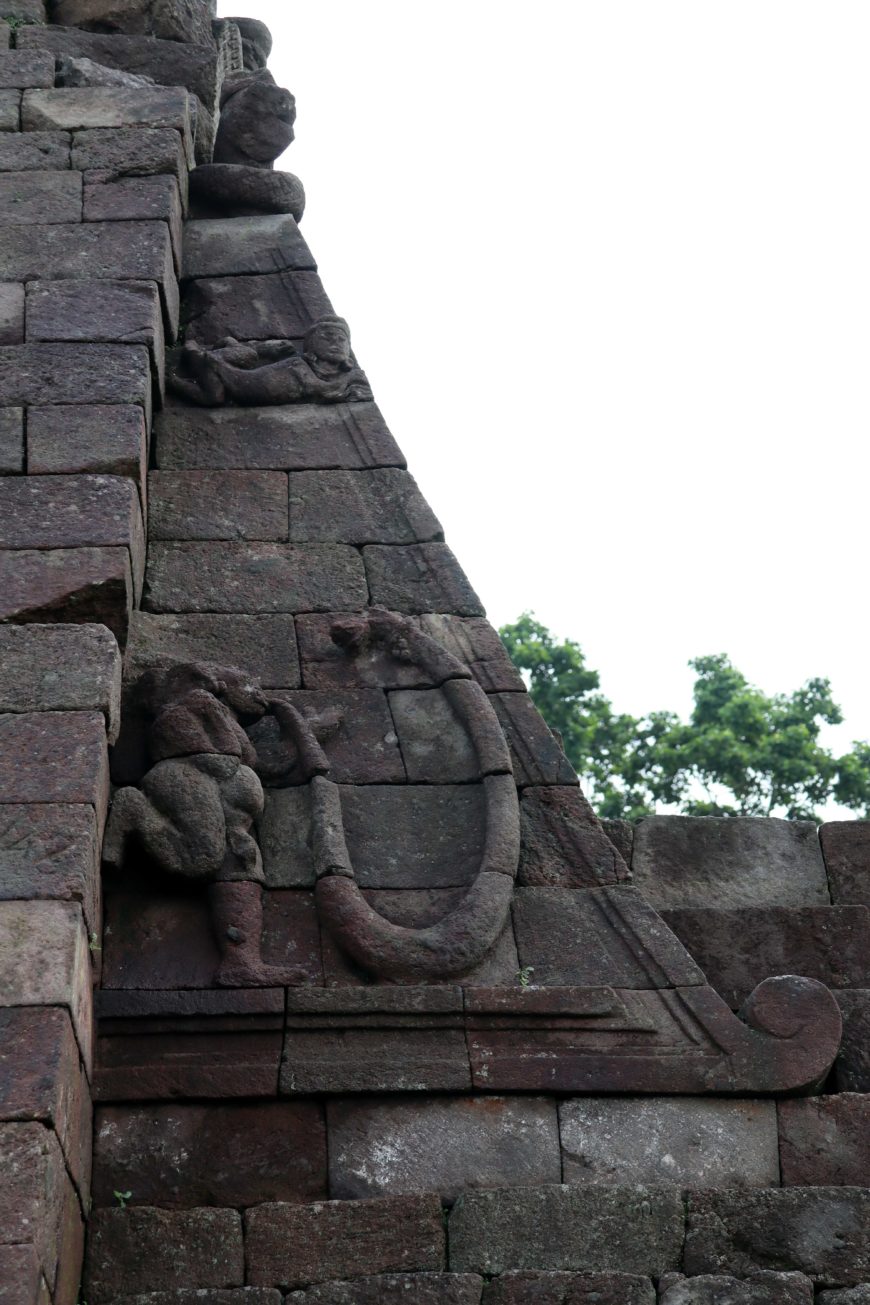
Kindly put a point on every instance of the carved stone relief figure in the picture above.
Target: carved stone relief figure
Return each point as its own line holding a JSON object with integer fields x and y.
{"x": 273, "y": 371}
{"x": 256, "y": 122}
{"x": 256, "y": 42}
{"x": 195, "y": 808}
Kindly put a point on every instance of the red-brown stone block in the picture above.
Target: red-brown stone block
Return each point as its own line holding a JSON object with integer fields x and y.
{"x": 536, "y": 752}
{"x": 60, "y": 668}
{"x": 54, "y": 756}
{"x": 45, "y": 961}
{"x": 67, "y": 584}
{"x": 295, "y": 1245}
{"x": 355, "y": 731}
{"x": 823, "y": 1232}
{"x": 186, "y": 1155}
{"x": 563, "y": 845}
{"x": 142, "y": 1249}
{"x": 853, "y": 1061}
{"x": 419, "y": 578}
{"x": 825, "y": 1141}
{"x": 263, "y": 645}
{"x": 240, "y": 1061}
{"x": 474, "y": 642}
{"x": 22, "y": 1281}
{"x": 375, "y": 1060}
{"x": 381, "y": 506}
{"x": 217, "y": 505}
{"x": 51, "y": 851}
{"x": 33, "y": 1193}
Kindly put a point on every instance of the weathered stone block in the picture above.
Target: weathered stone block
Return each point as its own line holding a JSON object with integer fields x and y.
{"x": 536, "y": 752}
{"x": 125, "y": 251}
{"x": 624, "y": 1229}
{"x": 825, "y": 1141}
{"x": 32, "y": 1193}
{"x": 10, "y": 110}
{"x": 31, "y": 151}
{"x": 67, "y": 584}
{"x": 44, "y": 961}
{"x": 173, "y": 20}
{"x": 108, "y": 439}
{"x": 49, "y": 851}
{"x": 375, "y": 1060}
{"x": 846, "y": 849}
{"x": 85, "y": 107}
{"x": 419, "y": 578}
{"x": 398, "y": 836}
{"x": 292, "y": 1245}
{"x": 823, "y": 1232}
{"x": 41, "y": 1080}
{"x": 126, "y": 312}
{"x": 280, "y": 306}
{"x": 446, "y": 1145}
{"x": 355, "y": 730}
{"x": 26, "y": 11}
{"x": 849, "y": 1296}
{"x": 60, "y": 668}
{"x": 167, "y": 942}
{"x": 853, "y": 1060}
{"x": 54, "y": 756}
{"x": 11, "y": 440}
{"x": 762, "y": 1288}
{"x": 194, "y": 1296}
{"x": 563, "y": 844}
{"x": 170, "y": 63}
{"x": 31, "y": 197}
{"x": 67, "y": 373}
{"x": 563, "y": 935}
{"x": 218, "y": 1065}
{"x": 681, "y": 861}
{"x": 395, "y": 1289}
{"x": 72, "y": 512}
{"x": 381, "y": 506}
{"x": 475, "y": 643}
{"x": 217, "y": 505}
{"x": 20, "y": 69}
{"x": 11, "y": 318}
{"x": 328, "y": 665}
{"x": 144, "y": 1249}
{"x": 108, "y": 155}
{"x": 737, "y": 949}
{"x": 531, "y": 1288}
{"x": 685, "y": 1142}
{"x": 436, "y": 746}
{"x": 137, "y": 199}
{"x": 263, "y": 645}
{"x": 282, "y": 439}
{"x": 5, "y": 34}
{"x": 231, "y": 577}
{"x": 238, "y": 1154}
{"x": 236, "y": 246}
{"x": 21, "y": 1278}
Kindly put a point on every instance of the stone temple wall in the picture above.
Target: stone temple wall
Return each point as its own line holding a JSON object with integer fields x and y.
{"x": 319, "y": 980}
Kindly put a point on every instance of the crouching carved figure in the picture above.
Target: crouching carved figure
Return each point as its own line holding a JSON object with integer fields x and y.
{"x": 194, "y": 810}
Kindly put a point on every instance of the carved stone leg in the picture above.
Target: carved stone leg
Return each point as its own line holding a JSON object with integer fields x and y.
{"x": 237, "y": 920}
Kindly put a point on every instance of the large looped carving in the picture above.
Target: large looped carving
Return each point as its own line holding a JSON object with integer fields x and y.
{"x": 462, "y": 939}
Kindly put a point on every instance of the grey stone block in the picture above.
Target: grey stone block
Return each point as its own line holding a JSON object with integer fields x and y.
{"x": 535, "y": 1288}
{"x": 849, "y": 1296}
{"x": 685, "y": 1142}
{"x": 11, "y": 309}
{"x": 419, "y": 578}
{"x": 137, "y": 199}
{"x": 356, "y": 733}
{"x": 393, "y": 1289}
{"x": 40, "y": 197}
{"x": 536, "y": 753}
{"x": 106, "y": 155}
{"x": 83, "y": 438}
{"x": 20, "y": 69}
{"x": 134, "y": 1250}
{"x": 280, "y": 306}
{"x": 852, "y": 1068}
{"x": 263, "y": 645}
{"x": 11, "y": 441}
{"x": 763, "y": 1288}
{"x": 26, "y": 11}
{"x": 10, "y": 110}
{"x": 381, "y": 506}
{"x": 218, "y": 505}
{"x": 5, "y": 34}
{"x": 30, "y": 151}
{"x": 75, "y": 373}
{"x": 823, "y": 1232}
{"x": 626, "y": 1229}
{"x": 67, "y": 584}
{"x": 436, "y": 746}
{"x": 244, "y": 245}
{"x": 169, "y": 63}
{"x": 388, "y": 1147}
{"x": 475, "y": 643}
{"x": 86, "y": 107}
{"x": 282, "y": 439}
{"x": 846, "y": 849}
{"x": 680, "y": 861}
{"x": 61, "y": 668}
{"x": 262, "y": 577}
{"x": 123, "y": 312}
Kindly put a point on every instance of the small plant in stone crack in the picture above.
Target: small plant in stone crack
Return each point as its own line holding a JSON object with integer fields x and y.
{"x": 525, "y": 975}
{"x": 94, "y": 943}
{"x": 122, "y": 1198}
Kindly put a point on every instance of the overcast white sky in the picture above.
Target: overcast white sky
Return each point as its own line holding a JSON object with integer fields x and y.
{"x": 607, "y": 264}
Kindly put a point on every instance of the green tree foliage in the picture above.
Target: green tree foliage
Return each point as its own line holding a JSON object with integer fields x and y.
{"x": 742, "y": 751}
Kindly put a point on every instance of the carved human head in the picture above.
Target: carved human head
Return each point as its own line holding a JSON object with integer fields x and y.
{"x": 161, "y": 686}
{"x": 329, "y": 339}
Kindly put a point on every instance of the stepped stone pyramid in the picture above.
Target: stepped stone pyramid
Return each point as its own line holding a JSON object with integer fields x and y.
{"x": 320, "y": 981}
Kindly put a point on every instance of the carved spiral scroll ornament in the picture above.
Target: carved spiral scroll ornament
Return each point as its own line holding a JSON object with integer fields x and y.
{"x": 462, "y": 939}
